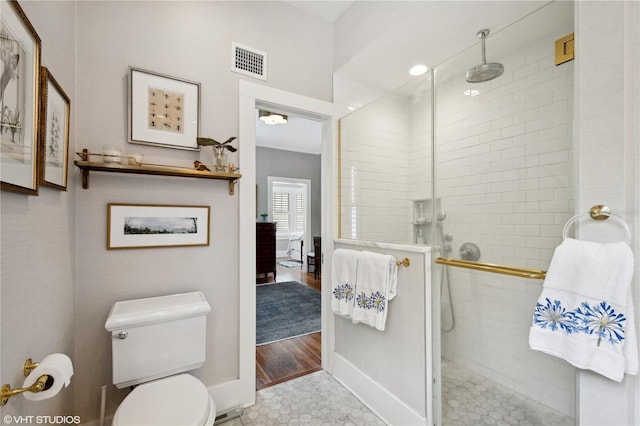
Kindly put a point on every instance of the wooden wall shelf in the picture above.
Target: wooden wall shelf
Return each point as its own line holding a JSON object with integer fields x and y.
{"x": 158, "y": 170}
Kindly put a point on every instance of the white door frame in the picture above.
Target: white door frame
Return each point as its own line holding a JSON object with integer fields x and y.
{"x": 253, "y": 95}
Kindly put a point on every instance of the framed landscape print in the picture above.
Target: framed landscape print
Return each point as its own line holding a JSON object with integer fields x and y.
{"x": 19, "y": 100}
{"x": 163, "y": 110}
{"x": 54, "y": 132}
{"x": 151, "y": 225}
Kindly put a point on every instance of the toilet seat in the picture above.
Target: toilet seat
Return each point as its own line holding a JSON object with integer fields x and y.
{"x": 175, "y": 400}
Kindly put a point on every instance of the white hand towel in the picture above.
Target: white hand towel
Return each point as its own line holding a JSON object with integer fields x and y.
{"x": 376, "y": 285}
{"x": 585, "y": 312}
{"x": 343, "y": 281}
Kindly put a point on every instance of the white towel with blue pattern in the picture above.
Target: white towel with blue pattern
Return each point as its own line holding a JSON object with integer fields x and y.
{"x": 343, "y": 281}
{"x": 585, "y": 312}
{"x": 376, "y": 285}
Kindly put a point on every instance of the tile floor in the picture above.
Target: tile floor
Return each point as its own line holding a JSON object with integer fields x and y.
{"x": 472, "y": 399}
{"x": 314, "y": 399}
{"x": 469, "y": 399}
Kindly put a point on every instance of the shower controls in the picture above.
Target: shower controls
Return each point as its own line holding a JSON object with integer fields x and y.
{"x": 469, "y": 251}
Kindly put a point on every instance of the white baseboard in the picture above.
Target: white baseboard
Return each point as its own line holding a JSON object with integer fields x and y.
{"x": 378, "y": 399}
{"x": 228, "y": 395}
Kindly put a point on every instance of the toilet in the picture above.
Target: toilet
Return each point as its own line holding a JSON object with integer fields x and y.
{"x": 154, "y": 342}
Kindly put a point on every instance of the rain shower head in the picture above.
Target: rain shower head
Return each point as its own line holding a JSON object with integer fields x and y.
{"x": 485, "y": 71}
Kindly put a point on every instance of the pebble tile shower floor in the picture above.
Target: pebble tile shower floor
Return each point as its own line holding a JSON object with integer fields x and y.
{"x": 472, "y": 399}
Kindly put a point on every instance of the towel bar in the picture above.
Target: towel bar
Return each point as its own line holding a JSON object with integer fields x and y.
{"x": 597, "y": 212}
{"x": 404, "y": 262}
{"x": 497, "y": 269}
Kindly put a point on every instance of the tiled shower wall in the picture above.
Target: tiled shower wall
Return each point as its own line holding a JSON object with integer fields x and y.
{"x": 386, "y": 164}
{"x": 374, "y": 174}
{"x": 504, "y": 167}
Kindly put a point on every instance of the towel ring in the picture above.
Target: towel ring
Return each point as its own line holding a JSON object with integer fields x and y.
{"x": 597, "y": 212}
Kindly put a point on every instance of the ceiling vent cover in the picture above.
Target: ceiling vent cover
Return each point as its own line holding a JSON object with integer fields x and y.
{"x": 248, "y": 61}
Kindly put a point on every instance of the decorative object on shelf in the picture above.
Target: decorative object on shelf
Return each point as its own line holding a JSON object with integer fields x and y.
{"x": 219, "y": 155}
{"x": 86, "y": 166}
{"x": 135, "y": 159}
{"x": 55, "y": 109}
{"x": 264, "y": 216}
{"x": 199, "y": 166}
{"x": 163, "y": 110}
{"x": 111, "y": 155}
{"x": 153, "y": 225}
{"x": 19, "y": 100}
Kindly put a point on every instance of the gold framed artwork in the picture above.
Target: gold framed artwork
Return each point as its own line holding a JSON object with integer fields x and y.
{"x": 19, "y": 100}
{"x": 54, "y": 132}
{"x": 156, "y": 225}
{"x": 163, "y": 110}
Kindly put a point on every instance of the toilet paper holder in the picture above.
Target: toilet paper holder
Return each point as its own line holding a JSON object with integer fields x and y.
{"x": 44, "y": 382}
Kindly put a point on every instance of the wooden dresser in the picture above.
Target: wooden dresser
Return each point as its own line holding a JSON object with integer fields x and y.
{"x": 266, "y": 248}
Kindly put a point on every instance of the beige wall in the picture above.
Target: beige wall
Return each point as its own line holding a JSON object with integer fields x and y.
{"x": 54, "y": 256}
{"x": 38, "y": 242}
{"x": 192, "y": 41}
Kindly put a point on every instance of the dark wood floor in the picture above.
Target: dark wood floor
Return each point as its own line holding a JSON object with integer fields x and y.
{"x": 281, "y": 361}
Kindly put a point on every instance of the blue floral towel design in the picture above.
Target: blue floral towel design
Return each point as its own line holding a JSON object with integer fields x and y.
{"x": 362, "y": 284}
{"x": 343, "y": 279}
{"x": 585, "y": 312}
{"x": 376, "y": 282}
{"x": 600, "y": 320}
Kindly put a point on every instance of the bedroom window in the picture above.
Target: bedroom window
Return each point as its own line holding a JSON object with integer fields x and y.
{"x": 288, "y": 208}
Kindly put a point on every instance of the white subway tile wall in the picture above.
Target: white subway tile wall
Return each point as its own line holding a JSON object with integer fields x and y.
{"x": 384, "y": 161}
{"x": 505, "y": 179}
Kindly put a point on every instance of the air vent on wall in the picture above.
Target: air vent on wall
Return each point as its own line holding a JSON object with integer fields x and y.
{"x": 248, "y": 61}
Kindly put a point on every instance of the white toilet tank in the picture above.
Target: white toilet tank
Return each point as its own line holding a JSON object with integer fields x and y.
{"x": 157, "y": 337}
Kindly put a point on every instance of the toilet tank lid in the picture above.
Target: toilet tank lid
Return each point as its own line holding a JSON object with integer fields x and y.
{"x": 138, "y": 312}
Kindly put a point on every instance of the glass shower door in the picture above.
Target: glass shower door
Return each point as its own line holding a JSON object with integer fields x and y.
{"x": 504, "y": 181}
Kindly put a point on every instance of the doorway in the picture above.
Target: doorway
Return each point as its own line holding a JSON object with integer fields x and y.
{"x": 288, "y": 165}
{"x": 252, "y": 97}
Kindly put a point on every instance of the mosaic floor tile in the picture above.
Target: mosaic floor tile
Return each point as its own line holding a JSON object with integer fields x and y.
{"x": 468, "y": 399}
{"x": 472, "y": 399}
{"x": 314, "y": 399}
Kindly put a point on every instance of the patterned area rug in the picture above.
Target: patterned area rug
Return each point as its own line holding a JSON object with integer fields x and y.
{"x": 285, "y": 310}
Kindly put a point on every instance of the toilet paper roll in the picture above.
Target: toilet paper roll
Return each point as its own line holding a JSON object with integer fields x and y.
{"x": 59, "y": 367}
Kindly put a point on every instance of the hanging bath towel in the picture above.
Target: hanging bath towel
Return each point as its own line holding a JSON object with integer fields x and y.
{"x": 585, "y": 312}
{"x": 343, "y": 281}
{"x": 376, "y": 284}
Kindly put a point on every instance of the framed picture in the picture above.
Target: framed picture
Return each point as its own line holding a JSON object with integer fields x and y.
{"x": 152, "y": 225}
{"x": 19, "y": 100}
{"x": 163, "y": 111}
{"x": 54, "y": 132}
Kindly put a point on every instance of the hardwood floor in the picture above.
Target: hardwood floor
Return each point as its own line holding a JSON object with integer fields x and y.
{"x": 281, "y": 361}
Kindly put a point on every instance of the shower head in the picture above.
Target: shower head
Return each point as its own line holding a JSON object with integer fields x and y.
{"x": 485, "y": 71}
{"x": 441, "y": 216}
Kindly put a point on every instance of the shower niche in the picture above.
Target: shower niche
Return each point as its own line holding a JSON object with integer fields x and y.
{"x": 422, "y": 220}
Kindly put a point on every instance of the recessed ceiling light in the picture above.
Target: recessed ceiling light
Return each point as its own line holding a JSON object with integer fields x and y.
{"x": 417, "y": 70}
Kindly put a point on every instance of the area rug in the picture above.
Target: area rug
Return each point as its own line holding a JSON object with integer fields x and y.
{"x": 285, "y": 310}
{"x": 290, "y": 263}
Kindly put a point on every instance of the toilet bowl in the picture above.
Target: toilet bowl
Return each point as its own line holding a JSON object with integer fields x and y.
{"x": 154, "y": 343}
{"x": 175, "y": 400}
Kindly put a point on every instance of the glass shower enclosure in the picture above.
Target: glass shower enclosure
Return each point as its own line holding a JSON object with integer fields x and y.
{"x": 481, "y": 172}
